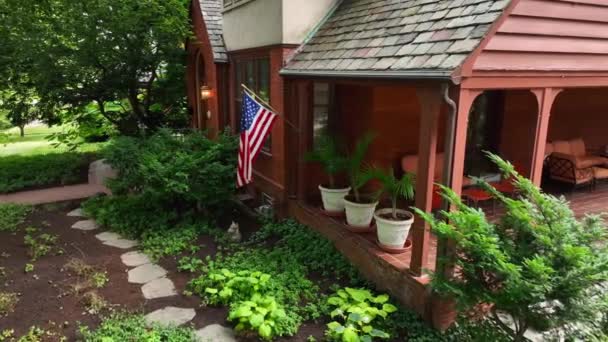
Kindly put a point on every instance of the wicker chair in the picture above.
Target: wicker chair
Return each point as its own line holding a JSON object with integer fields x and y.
{"x": 568, "y": 161}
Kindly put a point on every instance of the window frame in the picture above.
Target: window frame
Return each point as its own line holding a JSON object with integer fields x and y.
{"x": 241, "y": 64}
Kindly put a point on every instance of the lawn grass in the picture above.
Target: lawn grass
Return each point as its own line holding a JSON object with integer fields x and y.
{"x": 35, "y": 142}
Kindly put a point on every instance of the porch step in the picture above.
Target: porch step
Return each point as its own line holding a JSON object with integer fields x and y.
{"x": 244, "y": 197}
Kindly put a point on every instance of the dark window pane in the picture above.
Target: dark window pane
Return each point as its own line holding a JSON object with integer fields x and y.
{"x": 321, "y": 109}
{"x": 264, "y": 79}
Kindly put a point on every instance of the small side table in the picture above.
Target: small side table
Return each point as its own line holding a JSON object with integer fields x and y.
{"x": 477, "y": 195}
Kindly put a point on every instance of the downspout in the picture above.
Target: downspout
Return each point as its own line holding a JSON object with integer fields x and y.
{"x": 448, "y": 155}
{"x": 449, "y": 142}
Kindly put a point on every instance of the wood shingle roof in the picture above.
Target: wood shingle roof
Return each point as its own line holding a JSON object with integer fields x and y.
{"x": 212, "y": 15}
{"x": 420, "y": 36}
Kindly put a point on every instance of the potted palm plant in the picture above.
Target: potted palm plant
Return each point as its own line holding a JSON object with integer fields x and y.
{"x": 328, "y": 154}
{"x": 359, "y": 207}
{"x": 393, "y": 224}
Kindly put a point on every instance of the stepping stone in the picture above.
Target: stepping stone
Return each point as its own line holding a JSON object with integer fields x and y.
{"x": 170, "y": 316}
{"x": 159, "y": 288}
{"x": 134, "y": 259}
{"x": 121, "y": 243}
{"x": 77, "y": 213}
{"x": 85, "y": 225}
{"x": 107, "y": 236}
{"x": 146, "y": 273}
{"x": 215, "y": 333}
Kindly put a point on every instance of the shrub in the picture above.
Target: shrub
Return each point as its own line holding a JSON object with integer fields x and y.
{"x": 355, "y": 312}
{"x": 123, "y": 327}
{"x": 538, "y": 263}
{"x": 12, "y": 215}
{"x": 45, "y": 170}
{"x": 184, "y": 172}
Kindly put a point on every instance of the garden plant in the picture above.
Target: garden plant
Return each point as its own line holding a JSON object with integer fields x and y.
{"x": 538, "y": 264}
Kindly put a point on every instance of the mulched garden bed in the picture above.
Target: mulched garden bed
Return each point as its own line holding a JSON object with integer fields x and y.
{"x": 46, "y": 295}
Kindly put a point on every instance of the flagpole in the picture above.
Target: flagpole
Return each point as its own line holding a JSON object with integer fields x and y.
{"x": 261, "y": 100}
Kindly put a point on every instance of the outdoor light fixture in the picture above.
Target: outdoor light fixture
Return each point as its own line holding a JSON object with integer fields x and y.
{"x": 206, "y": 93}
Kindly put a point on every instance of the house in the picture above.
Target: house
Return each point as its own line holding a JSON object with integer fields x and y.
{"x": 440, "y": 80}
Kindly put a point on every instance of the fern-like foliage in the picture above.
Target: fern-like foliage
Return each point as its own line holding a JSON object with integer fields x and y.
{"x": 392, "y": 186}
{"x": 355, "y": 163}
{"x": 330, "y": 155}
{"x": 539, "y": 263}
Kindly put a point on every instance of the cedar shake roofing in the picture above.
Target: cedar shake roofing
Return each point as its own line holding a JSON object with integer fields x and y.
{"x": 212, "y": 15}
{"x": 425, "y": 37}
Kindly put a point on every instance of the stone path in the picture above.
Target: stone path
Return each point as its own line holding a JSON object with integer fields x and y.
{"x": 155, "y": 284}
{"x": 51, "y": 195}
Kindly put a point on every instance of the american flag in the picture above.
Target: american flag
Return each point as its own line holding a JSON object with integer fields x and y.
{"x": 256, "y": 122}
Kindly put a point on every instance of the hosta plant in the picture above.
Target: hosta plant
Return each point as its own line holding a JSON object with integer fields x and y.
{"x": 260, "y": 314}
{"x": 355, "y": 313}
{"x": 225, "y": 286}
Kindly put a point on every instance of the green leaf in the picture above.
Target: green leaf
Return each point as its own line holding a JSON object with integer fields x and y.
{"x": 335, "y": 301}
{"x": 390, "y": 308}
{"x": 378, "y": 333}
{"x": 367, "y": 329}
{"x": 265, "y": 331}
{"x": 242, "y": 311}
{"x": 381, "y": 299}
{"x": 333, "y": 325}
{"x": 350, "y": 335}
{"x": 360, "y": 295}
{"x": 256, "y": 320}
{"x": 211, "y": 290}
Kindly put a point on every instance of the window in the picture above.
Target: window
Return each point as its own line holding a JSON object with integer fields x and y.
{"x": 255, "y": 74}
{"x": 322, "y": 103}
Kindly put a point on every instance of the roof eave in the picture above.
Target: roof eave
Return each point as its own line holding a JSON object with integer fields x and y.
{"x": 373, "y": 74}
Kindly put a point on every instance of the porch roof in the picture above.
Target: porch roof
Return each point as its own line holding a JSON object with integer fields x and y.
{"x": 417, "y": 38}
{"x": 212, "y": 15}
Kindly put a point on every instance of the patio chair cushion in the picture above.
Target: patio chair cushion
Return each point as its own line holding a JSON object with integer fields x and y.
{"x": 577, "y": 147}
{"x": 562, "y": 146}
{"x": 600, "y": 173}
{"x": 589, "y": 161}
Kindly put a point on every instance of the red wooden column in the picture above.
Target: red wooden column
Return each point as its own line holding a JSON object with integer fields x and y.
{"x": 546, "y": 98}
{"x": 465, "y": 102}
{"x": 430, "y": 105}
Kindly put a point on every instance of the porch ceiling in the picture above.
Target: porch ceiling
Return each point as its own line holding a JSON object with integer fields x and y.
{"x": 411, "y": 38}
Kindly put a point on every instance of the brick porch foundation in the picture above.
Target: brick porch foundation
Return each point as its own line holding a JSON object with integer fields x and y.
{"x": 389, "y": 272}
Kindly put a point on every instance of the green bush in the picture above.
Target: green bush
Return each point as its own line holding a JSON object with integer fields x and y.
{"x": 182, "y": 171}
{"x": 538, "y": 263}
{"x": 45, "y": 170}
{"x": 124, "y": 328}
{"x": 12, "y": 215}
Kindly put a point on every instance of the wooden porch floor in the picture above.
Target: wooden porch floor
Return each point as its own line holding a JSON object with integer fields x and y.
{"x": 582, "y": 201}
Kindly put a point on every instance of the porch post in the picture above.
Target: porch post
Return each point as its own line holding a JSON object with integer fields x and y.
{"x": 465, "y": 102}
{"x": 430, "y": 106}
{"x": 304, "y": 135}
{"x": 545, "y": 98}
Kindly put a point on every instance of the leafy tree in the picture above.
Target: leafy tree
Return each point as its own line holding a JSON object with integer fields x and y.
{"x": 77, "y": 52}
{"x": 539, "y": 262}
{"x": 20, "y": 108}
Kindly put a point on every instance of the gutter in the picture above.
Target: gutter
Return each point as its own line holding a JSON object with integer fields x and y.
{"x": 373, "y": 74}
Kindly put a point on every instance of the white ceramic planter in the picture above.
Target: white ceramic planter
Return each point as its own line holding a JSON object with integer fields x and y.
{"x": 392, "y": 233}
{"x": 359, "y": 215}
{"x": 333, "y": 199}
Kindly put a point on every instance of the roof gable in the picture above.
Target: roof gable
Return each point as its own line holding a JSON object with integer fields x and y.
{"x": 422, "y": 36}
{"x": 212, "y": 15}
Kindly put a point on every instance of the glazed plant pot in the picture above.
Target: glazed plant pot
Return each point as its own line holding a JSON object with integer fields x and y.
{"x": 333, "y": 199}
{"x": 393, "y": 233}
{"x": 359, "y": 215}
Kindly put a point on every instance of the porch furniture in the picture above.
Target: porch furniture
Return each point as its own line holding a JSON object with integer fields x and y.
{"x": 568, "y": 161}
{"x": 476, "y": 196}
{"x": 409, "y": 163}
{"x": 599, "y": 174}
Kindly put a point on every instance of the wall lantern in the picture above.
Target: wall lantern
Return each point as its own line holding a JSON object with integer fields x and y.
{"x": 206, "y": 93}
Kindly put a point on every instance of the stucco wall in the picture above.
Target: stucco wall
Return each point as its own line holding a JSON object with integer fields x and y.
{"x": 301, "y": 16}
{"x": 254, "y": 24}
{"x": 271, "y": 22}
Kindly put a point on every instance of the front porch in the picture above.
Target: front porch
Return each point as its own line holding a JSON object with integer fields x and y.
{"x": 419, "y": 131}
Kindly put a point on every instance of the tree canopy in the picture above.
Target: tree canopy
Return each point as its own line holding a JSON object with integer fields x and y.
{"x": 125, "y": 56}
